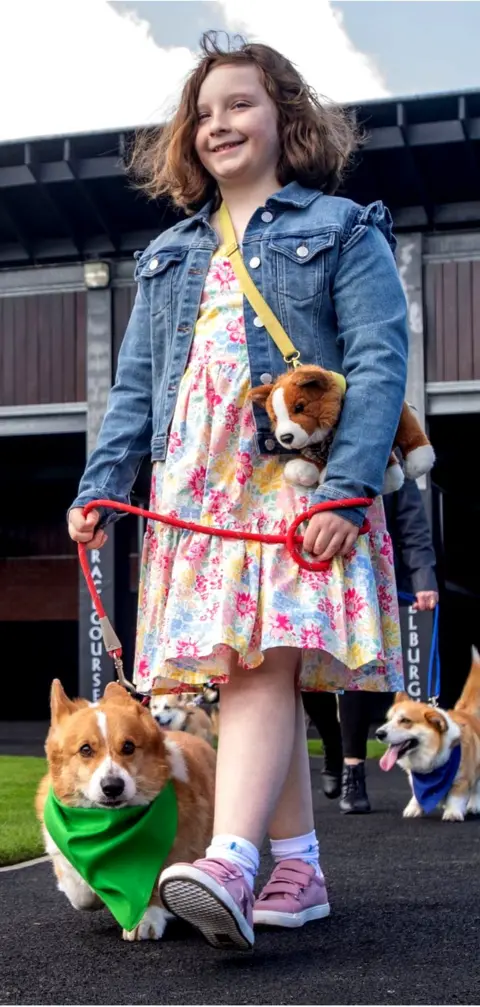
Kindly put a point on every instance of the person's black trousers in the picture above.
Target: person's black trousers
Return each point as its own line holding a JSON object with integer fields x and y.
{"x": 348, "y": 737}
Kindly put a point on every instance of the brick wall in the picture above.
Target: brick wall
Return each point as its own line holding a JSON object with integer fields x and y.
{"x": 39, "y": 589}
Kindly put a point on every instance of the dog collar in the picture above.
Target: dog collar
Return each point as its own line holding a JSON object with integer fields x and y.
{"x": 431, "y": 788}
{"x": 340, "y": 381}
{"x": 119, "y": 852}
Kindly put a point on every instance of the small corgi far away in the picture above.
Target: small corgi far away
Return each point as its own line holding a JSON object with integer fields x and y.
{"x": 439, "y": 750}
{"x": 178, "y": 712}
{"x": 113, "y": 754}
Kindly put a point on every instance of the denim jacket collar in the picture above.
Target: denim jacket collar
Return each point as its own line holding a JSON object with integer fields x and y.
{"x": 293, "y": 194}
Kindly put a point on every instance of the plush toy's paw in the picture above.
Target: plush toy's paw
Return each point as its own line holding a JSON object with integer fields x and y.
{"x": 419, "y": 461}
{"x": 151, "y": 926}
{"x": 393, "y": 479}
{"x": 301, "y": 472}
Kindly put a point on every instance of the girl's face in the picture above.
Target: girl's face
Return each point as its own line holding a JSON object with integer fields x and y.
{"x": 237, "y": 137}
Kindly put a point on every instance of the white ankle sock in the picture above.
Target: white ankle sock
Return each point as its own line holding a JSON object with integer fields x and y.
{"x": 239, "y": 851}
{"x": 298, "y": 848}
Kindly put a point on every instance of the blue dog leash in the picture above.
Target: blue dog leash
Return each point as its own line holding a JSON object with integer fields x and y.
{"x": 433, "y": 680}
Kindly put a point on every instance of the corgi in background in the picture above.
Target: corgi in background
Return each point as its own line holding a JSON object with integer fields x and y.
{"x": 438, "y": 749}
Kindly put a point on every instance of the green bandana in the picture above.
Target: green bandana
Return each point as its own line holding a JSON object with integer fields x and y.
{"x": 118, "y": 851}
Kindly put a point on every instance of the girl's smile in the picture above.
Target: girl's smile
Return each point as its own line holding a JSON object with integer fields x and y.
{"x": 237, "y": 135}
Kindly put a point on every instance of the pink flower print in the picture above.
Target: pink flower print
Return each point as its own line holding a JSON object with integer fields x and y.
{"x": 143, "y": 668}
{"x": 387, "y": 549}
{"x": 311, "y": 638}
{"x": 213, "y": 399}
{"x": 209, "y": 613}
{"x": 384, "y": 599}
{"x": 174, "y": 442}
{"x": 236, "y": 330}
{"x": 187, "y": 648}
{"x": 325, "y": 605}
{"x": 217, "y": 500}
{"x": 215, "y": 580}
{"x": 280, "y": 624}
{"x": 197, "y": 548}
{"x": 248, "y": 419}
{"x": 201, "y": 586}
{"x": 232, "y": 416}
{"x": 196, "y": 482}
{"x": 354, "y": 603}
{"x": 245, "y": 604}
{"x": 223, "y": 274}
{"x": 244, "y": 467}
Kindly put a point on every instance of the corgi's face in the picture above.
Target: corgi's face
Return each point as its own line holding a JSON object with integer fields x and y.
{"x": 419, "y": 737}
{"x": 169, "y": 710}
{"x": 303, "y": 405}
{"x": 106, "y": 754}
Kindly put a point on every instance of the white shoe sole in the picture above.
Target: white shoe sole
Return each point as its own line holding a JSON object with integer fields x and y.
{"x": 267, "y": 918}
{"x": 195, "y": 897}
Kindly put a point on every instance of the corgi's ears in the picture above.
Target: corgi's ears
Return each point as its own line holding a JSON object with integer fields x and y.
{"x": 60, "y": 705}
{"x": 260, "y": 394}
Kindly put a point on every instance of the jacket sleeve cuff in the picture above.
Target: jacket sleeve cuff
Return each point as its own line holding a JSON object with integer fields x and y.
{"x": 424, "y": 580}
{"x": 107, "y": 515}
{"x": 327, "y": 494}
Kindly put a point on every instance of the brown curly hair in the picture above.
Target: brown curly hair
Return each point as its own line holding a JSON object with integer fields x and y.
{"x": 317, "y": 138}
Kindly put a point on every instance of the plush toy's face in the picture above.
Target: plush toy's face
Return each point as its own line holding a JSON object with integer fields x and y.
{"x": 303, "y": 405}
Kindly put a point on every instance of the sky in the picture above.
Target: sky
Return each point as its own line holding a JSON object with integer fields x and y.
{"x": 69, "y": 66}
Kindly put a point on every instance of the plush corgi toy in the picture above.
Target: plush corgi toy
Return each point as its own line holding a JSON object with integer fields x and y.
{"x": 304, "y": 407}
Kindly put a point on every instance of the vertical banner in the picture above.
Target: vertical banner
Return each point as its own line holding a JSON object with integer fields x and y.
{"x": 416, "y": 630}
{"x": 95, "y": 666}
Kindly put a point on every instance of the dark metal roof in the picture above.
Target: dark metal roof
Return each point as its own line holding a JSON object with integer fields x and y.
{"x": 67, "y": 198}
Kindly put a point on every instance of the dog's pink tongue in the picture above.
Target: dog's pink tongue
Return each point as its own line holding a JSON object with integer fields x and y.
{"x": 389, "y": 758}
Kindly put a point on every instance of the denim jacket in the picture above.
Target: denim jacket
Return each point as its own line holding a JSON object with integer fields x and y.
{"x": 326, "y": 267}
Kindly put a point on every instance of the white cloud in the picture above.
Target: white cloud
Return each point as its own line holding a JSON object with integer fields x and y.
{"x": 69, "y": 66}
{"x": 311, "y": 34}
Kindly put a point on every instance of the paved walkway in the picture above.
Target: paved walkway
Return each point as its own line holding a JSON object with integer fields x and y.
{"x": 403, "y": 930}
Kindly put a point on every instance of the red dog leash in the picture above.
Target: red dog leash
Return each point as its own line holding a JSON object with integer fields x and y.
{"x": 291, "y": 541}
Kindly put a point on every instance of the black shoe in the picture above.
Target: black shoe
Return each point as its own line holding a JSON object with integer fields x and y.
{"x": 354, "y": 800}
{"x": 331, "y": 782}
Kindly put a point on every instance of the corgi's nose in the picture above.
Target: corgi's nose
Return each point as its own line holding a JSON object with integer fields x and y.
{"x": 286, "y": 438}
{"x": 381, "y": 734}
{"x": 113, "y": 787}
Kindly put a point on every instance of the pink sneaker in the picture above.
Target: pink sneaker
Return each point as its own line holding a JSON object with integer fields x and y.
{"x": 293, "y": 896}
{"x": 213, "y": 896}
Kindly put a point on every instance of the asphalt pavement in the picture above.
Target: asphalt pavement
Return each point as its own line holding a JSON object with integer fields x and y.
{"x": 404, "y": 928}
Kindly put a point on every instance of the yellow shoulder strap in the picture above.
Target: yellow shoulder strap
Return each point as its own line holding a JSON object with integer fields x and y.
{"x": 252, "y": 293}
{"x": 289, "y": 353}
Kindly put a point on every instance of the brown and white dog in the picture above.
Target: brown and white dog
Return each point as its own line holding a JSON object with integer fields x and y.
{"x": 421, "y": 737}
{"x": 177, "y": 712}
{"x": 304, "y": 407}
{"x": 89, "y": 745}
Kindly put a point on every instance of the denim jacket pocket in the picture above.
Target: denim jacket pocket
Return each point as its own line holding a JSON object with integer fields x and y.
{"x": 299, "y": 267}
{"x": 160, "y": 272}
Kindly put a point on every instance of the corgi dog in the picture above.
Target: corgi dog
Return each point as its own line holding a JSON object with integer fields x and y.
{"x": 177, "y": 712}
{"x": 113, "y": 754}
{"x": 438, "y": 749}
{"x": 304, "y": 407}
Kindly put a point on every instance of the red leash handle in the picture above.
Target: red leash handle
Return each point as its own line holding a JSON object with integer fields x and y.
{"x": 291, "y": 541}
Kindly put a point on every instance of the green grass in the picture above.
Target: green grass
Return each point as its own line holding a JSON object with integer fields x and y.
{"x": 374, "y": 748}
{"x": 20, "y": 837}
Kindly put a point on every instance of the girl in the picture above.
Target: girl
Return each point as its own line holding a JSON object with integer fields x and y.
{"x": 249, "y": 132}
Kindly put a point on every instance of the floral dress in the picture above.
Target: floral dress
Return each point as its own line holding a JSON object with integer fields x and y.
{"x": 206, "y": 601}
